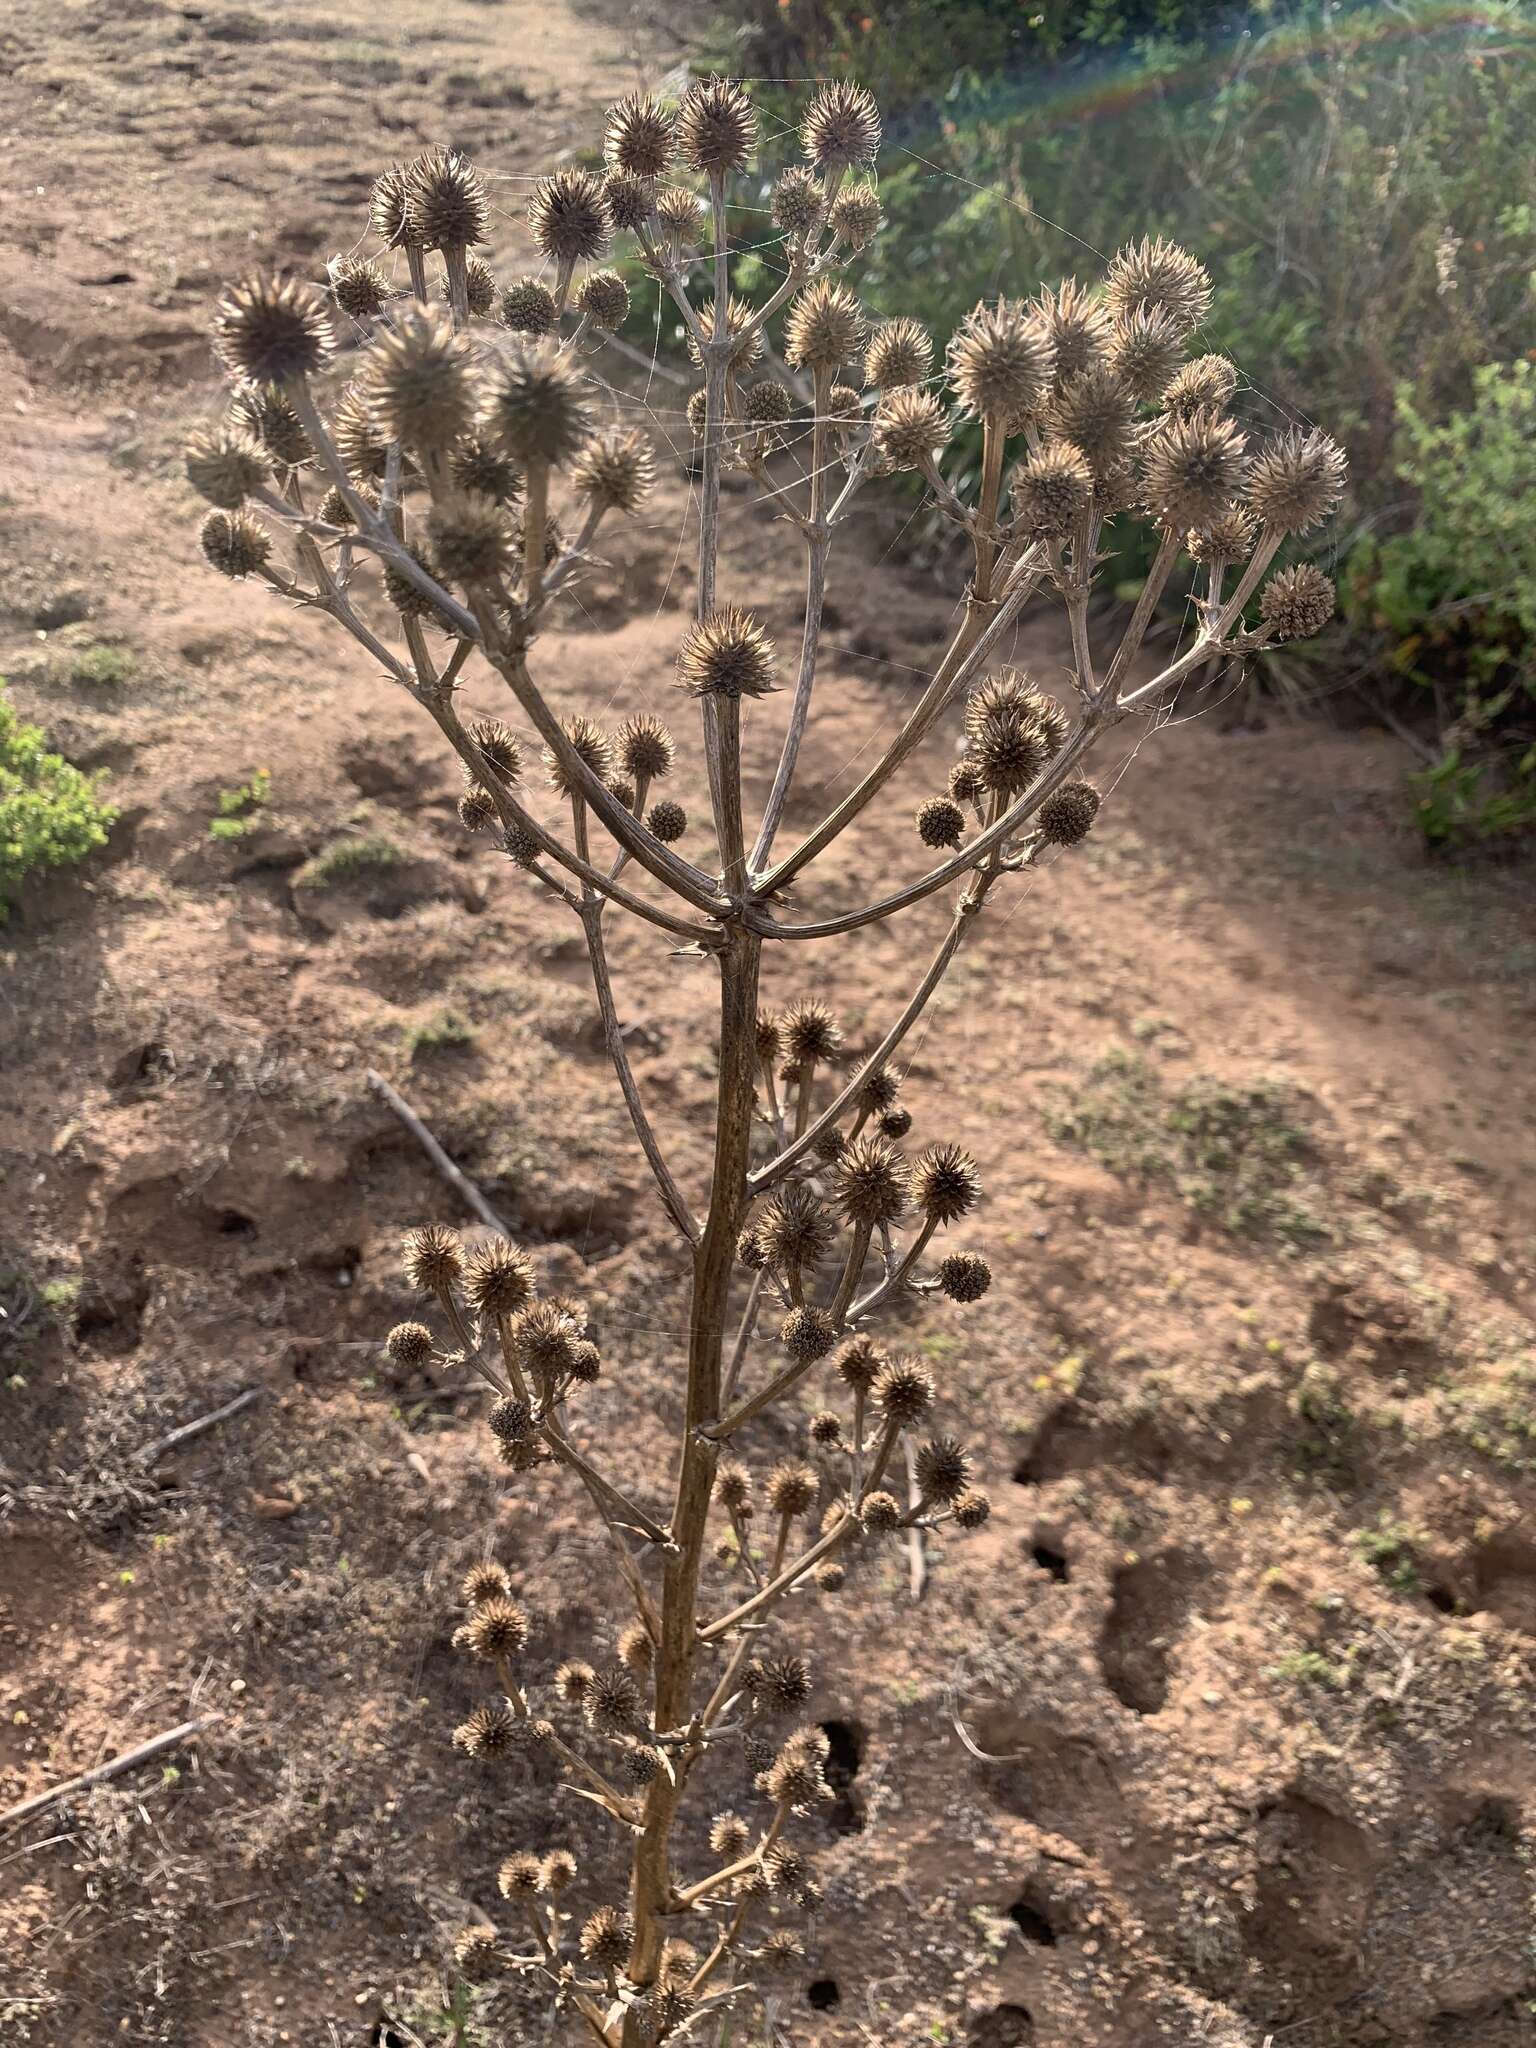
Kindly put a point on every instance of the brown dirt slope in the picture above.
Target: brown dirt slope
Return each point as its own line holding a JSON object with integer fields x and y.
{"x": 1245, "y": 1659}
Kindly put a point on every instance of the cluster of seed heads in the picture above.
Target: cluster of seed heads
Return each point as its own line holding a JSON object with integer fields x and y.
{"x": 434, "y": 439}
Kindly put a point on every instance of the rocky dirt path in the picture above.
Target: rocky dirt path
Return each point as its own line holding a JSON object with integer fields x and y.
{"x": 1247, "y": 1079}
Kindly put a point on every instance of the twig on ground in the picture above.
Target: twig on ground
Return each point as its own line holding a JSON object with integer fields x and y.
{"x": 152, "y": 1452}
{"x": 459, "y": 1181}
{"x": 130, "y": 1760}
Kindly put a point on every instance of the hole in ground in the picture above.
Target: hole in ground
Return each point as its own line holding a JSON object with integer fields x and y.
{"x": 235, "y": 1223}
{"x": 823, "y": 1994}
{"x": 844, "y": 1756}
{"x": 1031, "y": 1914}
{"x": 1052, "y": 1561}
{"x": 1005, "y": 2026}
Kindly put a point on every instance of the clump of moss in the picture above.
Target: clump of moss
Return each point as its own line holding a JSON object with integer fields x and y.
{"x": 349, "y": 860}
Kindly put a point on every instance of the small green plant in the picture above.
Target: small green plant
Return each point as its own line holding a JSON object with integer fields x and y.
{"x": 349, "y": 860}
{"x": 234, "y": 816}
{"x": 99, "y": 667}
{"x": 1389, "y": 1549}
{"x": 1308, "y": 1667}
{"x": 49, "y": 813}
{"x": 445, "y": 1032}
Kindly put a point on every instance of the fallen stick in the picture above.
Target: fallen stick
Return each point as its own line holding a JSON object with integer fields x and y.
{"x": 162, "y": 1444}
{"x": 157, "y": 1745}
{"x": 461, "y": 1184}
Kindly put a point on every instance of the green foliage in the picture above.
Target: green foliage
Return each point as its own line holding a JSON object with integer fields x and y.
{"x": 49, "y": 813}
{"x": 1389, "y": 1548}
{"x": 1453, "y": 599}
{"x": 99, "y": 667}
{"x": 234, "y": 817}
{"x": 348, "y": 860}
{"x": 447, "y": 1031}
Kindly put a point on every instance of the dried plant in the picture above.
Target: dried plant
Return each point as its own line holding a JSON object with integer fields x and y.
{"x": 472, "y": 459}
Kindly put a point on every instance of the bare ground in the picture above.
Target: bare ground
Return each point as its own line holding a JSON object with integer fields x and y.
{"x": 1248, "y": 1648}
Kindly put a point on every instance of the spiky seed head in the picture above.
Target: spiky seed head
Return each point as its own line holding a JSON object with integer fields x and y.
{"x": 434, "y": 1258}
{"x": 490, "y": 1731}
{"x": 784, "y": 1866}
{"x": 905, "y": 1391}
{"x": 420, "y": 381}
{"x": 830, "y": 1576}
{"x": 768, "y": 1038}
{"x": 519, "y": 1877}
{"x": 554, "y": 539}
{"x": 1296, "y": 480}
{"x": 942, "y": 1468}
{"x": 880, "y": 1513}
{"x": 360, "y": 439}
{"x": 783, "y": 1949}
{"x": 635, "y": 1648}
{"x": 1228, "y": 538}
{"x": 1066, "y": 817}
{"x": 798, "y": 199}
{"x": 479, "y": 287}
{"x": 973, "y": 1510}
{"x": 605, "y": 1938}
{"x": 900, "y": 352}
{"x": 810, "y": 1032}
{"x": 791, "y": 1489}
{"x": 409, "y": 1344}
{"x": 445, "y": 202}
{"x": 604, "y": 297}
{"x": 569, "y": 216}
{"x": 615, "y": 469}
{"x": 746, "y": 351}
{"x": 733, "y": 1487}
{"x": 794, "y": 1230}
{"x": 266, "y": 413}
{"x": 496, "y": 745}
{"x": 612, "y": 1700}
{"x": 511, "y": 1420}
{"x": 768, "y": 403}
{"x": 1193, "y": 466}
{"x": 645, "y": 747}
{"x": 573, "y": 1681}
{"x": 406, "y": 594}
{"x": 497, "y": 1628}
{"x": 586, "y": 1362}
{"x": 1009, "y": 750}
{"x": 1077, "y": 324}
{"x": 630, "y": 201}
{"x": 757, "y": 1752}
{"x": 234, "y": 543}
{"x": 807, "y": 1333}
{"x": 716, "y": 126}
{"x": 1161, "y": 276}
{"x": 498, "y": 1277}
{"x": 825, "y": 327}
{"x": 335, "y": 510}
{"x": 831, "y": 1144}
{"x": 1115, "y": 489}
{"x": 477, "y": 466}
{"x": 1000, "y": 363}
{"x": 538, "y": 410}
{"x": 825, "y": 1430}
{"x": 224, "y": 464}
{"x": 779, "y": 1684}
{"x": 872, "y": 1183}
{"x": 544, "y": 1334}
{"x": 878, "y": 1089}
{"x": 945, "y": 1183}
{"x": 841, "y": 127}
{"x": 729, "y": 1836}
{"x": 1207, "y": 381}
{"x": 1053, "y": 721}
{"x": 1145, "y": 351}
{"x": 1006, "y": 693}
{"x": 667, "y": 820}
{"x": 484, "y": 1581}
{"x": 965, "y": 783}
{"x": 638, "y": 137}
{"x": 860, "y": 1362}
{"x": 680, "y": 215}
{"x": 472, "y": 541}
{"x": 844, "y": 406}
{"x": 964, "y": 1276}
{"x": 1297, "y": 603}
{"x": 557, "y": 1873}
{"x": 910, "y": 428}
{"x": 856, "y": 216}
{"x": 520, "y": 846}
{"x": 727, "y": 655}
{"x": 386, "y": 208}
{"x": 528, "y": 307}
{"x": 268, "y": 329}
{"x": 476, "y": 1950}
{"x": 1051, "y": 490}
{"x": 641, "y": 1764}
{"x": 1096, "y": 413}
{"x": 698, "y": 413}
{"x": 749, "y": 1251}
{"x": 896, "y": 1122}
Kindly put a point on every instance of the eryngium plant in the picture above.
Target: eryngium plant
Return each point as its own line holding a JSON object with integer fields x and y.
{"x": 472, "y": 459}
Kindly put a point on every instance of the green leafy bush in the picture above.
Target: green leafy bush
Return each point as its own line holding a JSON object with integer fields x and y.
{"x": 49, "y": 813}
{"x": 1453, "y": 600}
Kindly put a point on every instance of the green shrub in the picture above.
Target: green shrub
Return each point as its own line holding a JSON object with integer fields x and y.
{"x": 49, "y": 814}
{"x": 348, "y": 860}
{"x": 1453, "y": 600}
